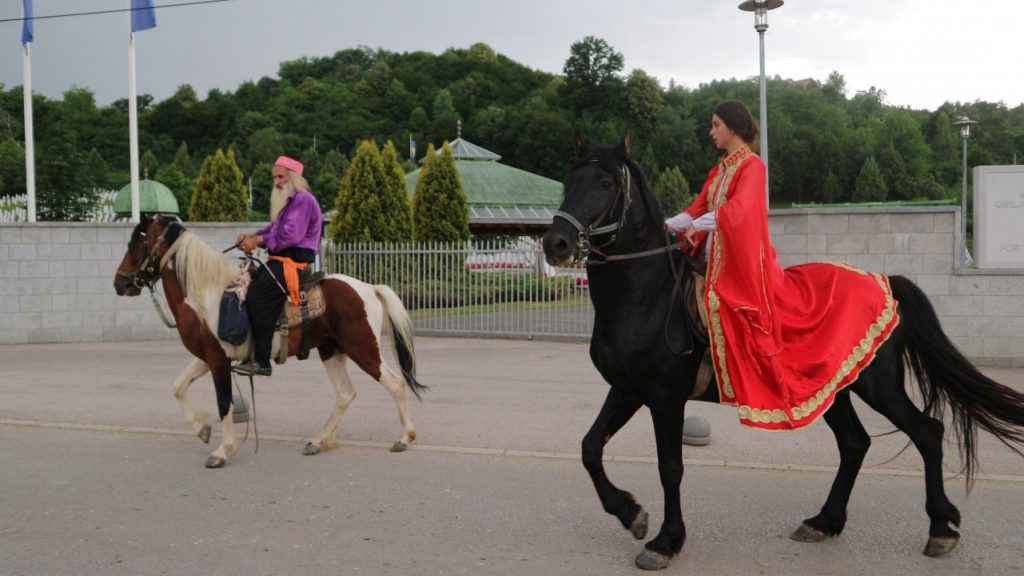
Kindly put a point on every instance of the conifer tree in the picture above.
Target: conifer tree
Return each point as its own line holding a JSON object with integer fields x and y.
{"x": 870, "y": 186}
{"x": 831, "y": 190}
{"x": 440, "y": 208}
{"x": 183, "y": 160}
{"x": 672, "y": 191}
{"x": 395, "y": 197}
{"x": 170, "y": 175}
{"x": 359, "y": 215}
{"x": 218, "y": 194}
{"x": 148, "y": 165}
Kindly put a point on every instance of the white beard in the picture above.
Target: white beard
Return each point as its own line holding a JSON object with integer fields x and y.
{"x": 278, "y": 198}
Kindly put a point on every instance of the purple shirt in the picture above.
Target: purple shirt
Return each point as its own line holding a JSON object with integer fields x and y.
{"x": 297, "y": 225}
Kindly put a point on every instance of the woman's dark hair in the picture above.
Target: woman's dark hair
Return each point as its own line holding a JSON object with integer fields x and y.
{"x": 738, "y": 118}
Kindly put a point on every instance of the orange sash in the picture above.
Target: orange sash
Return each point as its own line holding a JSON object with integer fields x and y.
{"x": 291, "y": 276}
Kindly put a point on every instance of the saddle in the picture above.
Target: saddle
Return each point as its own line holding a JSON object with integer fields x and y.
{"x": 693, "y": 295}
{"x": 312, "y": 306}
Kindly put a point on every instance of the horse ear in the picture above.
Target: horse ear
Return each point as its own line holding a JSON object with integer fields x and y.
{"x": 622, "y": 150}
{"x": 579, "y": 148}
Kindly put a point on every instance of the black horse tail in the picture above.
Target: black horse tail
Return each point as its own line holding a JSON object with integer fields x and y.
{"x": 946, "y": 377}
{"x": 401, "y": 336}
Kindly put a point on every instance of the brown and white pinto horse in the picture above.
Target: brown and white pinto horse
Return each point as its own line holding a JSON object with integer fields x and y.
{"x": 357, "y": 316}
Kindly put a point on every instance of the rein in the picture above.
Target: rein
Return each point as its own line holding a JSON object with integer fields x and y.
{"x": 583, "y": 244}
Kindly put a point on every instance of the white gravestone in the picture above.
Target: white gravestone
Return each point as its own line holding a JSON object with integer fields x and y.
{"x": 999, "y": 216}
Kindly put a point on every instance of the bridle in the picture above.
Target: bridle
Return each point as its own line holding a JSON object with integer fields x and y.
{"x": 583, "y": 244}
{"x": 148, "y": 266}
{"x": 584, "y": 248}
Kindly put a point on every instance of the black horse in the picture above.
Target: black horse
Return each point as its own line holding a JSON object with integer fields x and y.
{"x": 644, "y": 347}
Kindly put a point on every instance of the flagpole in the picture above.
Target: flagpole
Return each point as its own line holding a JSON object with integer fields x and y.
{"x": 133, "y": 127}
{"x": 30, "y": 154}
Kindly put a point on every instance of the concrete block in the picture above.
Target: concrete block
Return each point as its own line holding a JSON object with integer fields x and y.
{"x": 934, "y": 284}
{"x": 958, "y": 305}
{"x": 10, "y": 234}
{"x": 790, "y": 244}
{"x": 954, "y": 326}
{"x": 19, "y": 287}
{"x": 789, "y": 224}
{"x": 62, "y": 320}
{"x": 847, "y": 244}
{"x": 116, "y": 333}
{"x": 914, "y": 223}
{"x": 1015, "y": 327}
{"x": 7, "y": 303}
{"x": 59, "y": 302}
{"x": 34, "y": 303}
{"x": 9, "y": 269}
{"x": 111, "y": 235}
{"x": 897, "y": 243}
{"x": 1003, "y": 285}
{"x": 13, "y": 336}
{"x": 987, "y": 327}
{"x": 65, "y": 286}
{"x": 56, "y": 269}
{"x": 930, "y": 244}
{"x": 4, "y": 253}
{"x": 160, "y": 332}
{"x": 84, "y": 269}
{"x": 973, "y": 348}
{"x": 870, "y": 223}
{"x": 36, "y": 234}
{"x": 971, "y": 285}
{"x": 935, "y": 263}
{"x": 33, "y": 269}
{"x": 60, "y": 252}
{"x": 60, "y": 235}
{"x": 828, "y": 224}
{"x": 82, "y": 235}
{"x": 1000, "y": 348}
{"x": 1002, "y": 306}
{"x": 95, "y": 285}
{"x": 817, "y": 243}
{"x": 867, "y": 263}
{"x": 23, "y": 252}
{"x": 27, "y": 320}
{"x": 99, "y": 252}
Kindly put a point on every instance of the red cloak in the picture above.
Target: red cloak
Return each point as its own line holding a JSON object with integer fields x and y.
{"x": 784, "y": 341}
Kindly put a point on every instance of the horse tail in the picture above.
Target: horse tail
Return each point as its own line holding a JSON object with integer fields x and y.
{"x": 945, "y": 376}
{"x": 401, "y": 336}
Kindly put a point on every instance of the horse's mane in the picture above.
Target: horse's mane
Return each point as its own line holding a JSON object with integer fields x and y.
{"x": 202, "y": 272}
{"x": 605, "y": 157}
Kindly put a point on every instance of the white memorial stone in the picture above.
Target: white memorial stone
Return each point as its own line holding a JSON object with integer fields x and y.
{"x": 999, "y": 216}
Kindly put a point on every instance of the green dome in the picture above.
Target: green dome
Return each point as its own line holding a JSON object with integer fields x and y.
{"x": 154, "y": 198}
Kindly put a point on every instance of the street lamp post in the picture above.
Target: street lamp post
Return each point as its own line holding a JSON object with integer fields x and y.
{"x": 760, "y": 9}
{"x": 965, "y": 125}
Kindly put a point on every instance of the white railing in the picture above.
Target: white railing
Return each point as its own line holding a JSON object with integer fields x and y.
{"x": 488, "y": 288}
{"x": 15, "y": 208}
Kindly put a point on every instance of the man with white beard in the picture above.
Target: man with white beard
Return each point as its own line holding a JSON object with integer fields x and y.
{"x": 292, "y": 240}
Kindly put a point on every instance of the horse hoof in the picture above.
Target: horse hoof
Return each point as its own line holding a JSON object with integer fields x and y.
{"x": 639, "y": 526}
{"x": 807, "y": 533}
{"x": 939, "y": 545}
{"x": 215, "y": 462}
{"x": 651, "y": 560}
{"x": 204, "y": 434}
{"x": 311, "y": 449}
{"x": 399, "y": 446}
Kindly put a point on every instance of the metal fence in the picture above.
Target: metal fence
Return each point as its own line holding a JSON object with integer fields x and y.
{"x": 483, "y": 288}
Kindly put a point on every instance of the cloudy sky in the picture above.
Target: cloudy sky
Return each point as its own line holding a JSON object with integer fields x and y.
{"x": 921, "y": 52}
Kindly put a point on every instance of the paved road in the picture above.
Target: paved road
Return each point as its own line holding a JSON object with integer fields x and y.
{"x": 101, "y": 477}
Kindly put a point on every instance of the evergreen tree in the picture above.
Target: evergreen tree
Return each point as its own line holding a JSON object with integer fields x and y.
{"x": 262, "y": 177}
{"x": 440, "y": 208}
{"x": 170, "y": 175}
{"x": 360, "y": 216}
{"x": 218, "y": 194}
{"x": 870, "y": 186}
{"x": 894, "y": 172}
{"x": 183, "y": 160}
{"x": 395, "y": 197}
{"x": 831, "y": 190}
{"x": 94, "y": 170}
{"x": 148, "y": 165}
{"x": 673, "y": 191}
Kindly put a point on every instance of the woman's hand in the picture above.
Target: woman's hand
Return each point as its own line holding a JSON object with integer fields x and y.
{"x": 691, "y": 234}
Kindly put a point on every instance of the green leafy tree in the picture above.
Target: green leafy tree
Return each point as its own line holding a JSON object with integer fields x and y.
{"x": 894, "y": 172}
{"x": 359, "y": 213}
{"x": 831, "y": 189}
{"x": 170, "y": 175}
{"x": 262, "y": 178}
{"x": 870, "y": 186}
{"x": 591, "y": 71}
{"x": 445, "y": 117}
{"x": 643, "y": 101}
{"x": 440, "y": 208}
{"x": 94, "y": 170}
{"x": 12, "y": 168}
{"x": 672, "y": 191}
{"x": 218, "y": 194}
{"x": 394, "y": 196}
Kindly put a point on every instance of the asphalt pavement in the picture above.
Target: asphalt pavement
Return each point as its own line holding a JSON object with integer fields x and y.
{"x": 100, "y": 475}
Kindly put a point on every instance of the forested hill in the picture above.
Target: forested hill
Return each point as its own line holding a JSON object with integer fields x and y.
{"x": 826, "y": 144}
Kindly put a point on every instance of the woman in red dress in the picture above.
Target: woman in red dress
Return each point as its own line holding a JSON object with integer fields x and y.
{"x": 783, "y": 341}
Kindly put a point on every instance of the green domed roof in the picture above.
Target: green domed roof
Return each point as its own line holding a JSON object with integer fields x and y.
{"x": 154, "y": 198}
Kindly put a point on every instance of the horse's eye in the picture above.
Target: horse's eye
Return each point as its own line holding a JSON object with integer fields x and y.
{"x": 606, "y": 183}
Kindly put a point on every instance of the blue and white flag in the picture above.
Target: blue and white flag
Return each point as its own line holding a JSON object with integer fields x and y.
{"x": 26, "y": 24}
{"x": 143, "y": 15}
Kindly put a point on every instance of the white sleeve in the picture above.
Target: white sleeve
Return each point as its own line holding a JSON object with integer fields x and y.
{"x": 679, "y": 222}
{"x": 708, "y": 221}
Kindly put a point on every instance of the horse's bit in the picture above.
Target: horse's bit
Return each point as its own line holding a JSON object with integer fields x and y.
{"x": 583, "y": 244}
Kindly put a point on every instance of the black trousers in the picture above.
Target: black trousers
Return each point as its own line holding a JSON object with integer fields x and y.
{"x": 265, "y": 300}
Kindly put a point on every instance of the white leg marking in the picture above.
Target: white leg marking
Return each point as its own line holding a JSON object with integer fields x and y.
{"x": 228, "y": 442}
{"x": 196, "y": 419}
{"x": 344, "y": 393}
{"x": 394, "y": 384}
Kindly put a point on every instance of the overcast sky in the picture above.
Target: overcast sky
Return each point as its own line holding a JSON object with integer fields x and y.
{"x": 921, "y": 52}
